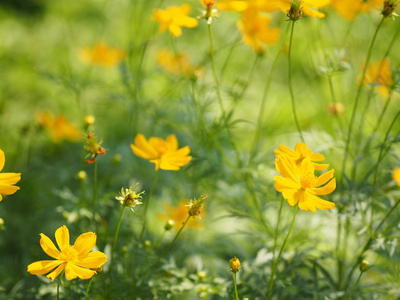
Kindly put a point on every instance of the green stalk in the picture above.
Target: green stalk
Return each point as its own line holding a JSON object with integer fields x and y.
{"x": 271, "y": 281}
{"x": 360, "y": 86}
{"x": 355, "y": 285}
{"x": 146, "y": 204}
{"x": 115, "y": 240}
{"x": 235, "y": 285}
{"x": 94, "y": 195}
{"x": 58, "y": 284}
{"x": 276, "y": 232}
{"x": 291, "y": 85}
{"x": 88, "y": 288}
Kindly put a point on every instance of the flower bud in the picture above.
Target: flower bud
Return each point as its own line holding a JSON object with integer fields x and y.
{"x": 1, "y": 224}
{"x": 117, "y": 158}
{"x": 234, "y": 263}
{"x": 169, "y": 225}
{"x": 82, "y": 176}
{"x": 389, "y": 7}
{"x": 89, "y": 120}
{"x": 364, "y": 266}
{"x": 295, "y": 12}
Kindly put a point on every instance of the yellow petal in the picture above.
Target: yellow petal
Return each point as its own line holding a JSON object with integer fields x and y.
{"x": 320, "y": 203}
{"x": 172, "y": 141}
{"x": 56, "y": 272}
{"x": 287, "y": 168}
{"x": 43, "y": 266}
{"x": 325, "y": 190}
{"x": 93, "y": 260}
{"x": 72, "y": 272}
{"x": 2, "y": 159}
{"x": 85, "y": 243}
{"x": 8, "y": 189}
{"x": 62, "y": 237}
{"x": 9, "y": 178}
{"x": 313, "y": 13}
{"x": 282, "y": 183}
{"x": 304, "y": 201}
{"x": 143, "y": 148}
{"x": 320, "y": 167}
{"x": 291, "y": 195}
{"x": 175, "y": 30}
{"x": 317, "y": 157}
{"x": 48, "y": 246}
{"x": 189, "y": 22}
{"x": 321, "y": 180}
{"x": 317, "y": 3}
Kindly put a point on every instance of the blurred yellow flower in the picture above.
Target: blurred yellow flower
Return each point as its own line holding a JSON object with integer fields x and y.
{"x": 76, "y": 260}
{"x": 300, "y": 153}
{"x": 101, "y": 54}
{"x": 178, "y": 214}
{"x": 300, "y": 186}
{"x": 207, "y": 3}
{"x": 336, "y": 109}
{"x": 349, "y": 9}
{"x": 59, "y": 128}
{"x": 176, "y": 64}
{"x": 256, "y": 31}
{"x": 165, "y": 154}
{"x": 379, "y": 75}
{"x": 396, "y": 175}
{"x": 7, "y": 180}
{"x": 173, "y": 18}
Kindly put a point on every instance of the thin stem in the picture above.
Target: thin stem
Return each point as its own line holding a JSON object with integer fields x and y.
{"x": 88, "y": 288}
{"x": 354, "y": 287}
{"x": 338, "y": 254}
{"x": 146, "y": 204}
{"x": 94, "y": 195}
{"x": 360, "y": 86}
{"x": 58, "y": 284}
{"x": 291, "y": 85}
{"x": 276, "y": 231}
{"x": 271, "y": 281}
{"x": 235, "y": 285}
{"x": 115, "y": 239}
{"x": 168, "y": 247}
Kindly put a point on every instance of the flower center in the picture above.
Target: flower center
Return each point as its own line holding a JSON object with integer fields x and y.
{"x": 307, "y": 179}
{"x": 162, "y": 148}
{"x": 69, "y": 254}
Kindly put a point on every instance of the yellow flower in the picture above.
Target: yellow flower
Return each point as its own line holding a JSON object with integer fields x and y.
{"x": 300, "y": 186}
{"x": 178, "y": 214}
{"x": 94, "y": 147}
{"x": 396, "y": 176}
{"x": 234, "y": 263}
{"x": 128, "y": 197}
{"x": 76, "y": 260}
{"x": 7, "y": 180}
{"x": 173, "y": 18}
{"x": 256, "y": 31}
{"x": 349, "y": 9}
{"x": 165, "y": 154}
{"x": 101, "y": 54}
{"x": 380, "y": 76}
{"x": 300, "y": 153}
{"x": 207, "y": 3}
{"x": 59, "y": 128}
{"x": 308, "y": 7}
{"x": 176, "y": 64}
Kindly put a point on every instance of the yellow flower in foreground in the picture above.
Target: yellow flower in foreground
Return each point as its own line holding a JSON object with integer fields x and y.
{"x": 255, "y": 29}
{"x": 173, "y": 18}
{"x": 300, "y": 153}
{"x": 176, "y": 64}
{"x": 396, "y": 176}
{"x": 379, "y": 75}
{"x": 300, "y": 186}
{"x": 59, "y": 128}
{"x": 76, "y": 260}
{"x": 7, "y": 180}
{"x": 101, "y": 54}
{"x": 349, "y": 9}
{"x": 165, "y": 154}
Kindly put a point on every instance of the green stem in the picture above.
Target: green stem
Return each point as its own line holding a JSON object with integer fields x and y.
{"x": 94, "y": 195}
{"x": 88, "y": 288}
{"x": 360, "y": 86}
{"x": 168, "y": 247}
{"x": 146, "y": 204}
{"x": 338, "y": 254}
{"x": 235, "y": 285}
{"x": 271, "y": 281}
{"x": 58, "y": 284}
{"x": 115, "y": 239}
{"x": 276, "y": 232}
{"x": 291, "y": 85}
{"x": 354, "y": 287}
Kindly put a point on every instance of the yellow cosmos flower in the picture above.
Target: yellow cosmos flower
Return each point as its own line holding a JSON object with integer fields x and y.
{"x": 76, "y": 260}
{"x": 7, "y": 180}
{"x": 396, "y": 176}
{"x": 173, "y": 18}
{"x": 300, "y": 186}
{"x": 179, "y": 214}
{"x": 307, "y": 6}
{"x": 176, "y": 64}
{"x": 59, "y": 127}
{"x": 380, "y": 76}
{"x": 349, "y": 9}
{"x": 101, "y": 54}
{"x": 165, "y": 154}
{"x": 300, "y": 153}
{"x": 256, "y": 31}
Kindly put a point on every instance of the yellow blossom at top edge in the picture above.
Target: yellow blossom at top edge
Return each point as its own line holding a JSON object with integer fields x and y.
{"x": 349, "y": 9}
{"x": 299, "y": 185}
{"x": 396, "y": 175}
{"x": 59, "y": 127}
{"x": 164, "y": 153}
{"x": 7, "y": 180}
{"x": 207, "y": 3}
{"x": 101, "y": 54}
{"x": 173, "y": 18}
{"x": 379, "y": 75}
{"x": 301, "y": 152}
{"x": 76, "y": 260}
{"x": 309, "y": 7}
{"x": 256, "y": 30}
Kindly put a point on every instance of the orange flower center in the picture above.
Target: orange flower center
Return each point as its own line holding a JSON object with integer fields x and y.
{"x": 162, "y": 148}
{"x": 69, "y": 254}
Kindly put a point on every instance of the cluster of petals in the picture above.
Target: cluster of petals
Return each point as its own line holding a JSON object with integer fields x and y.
{"x": 176, "y": 64}
{"x": 396, "y": 175}
{"x": 76, "y": 260}
{"x": 380, "y": 76}
{"x": 101, "y": 54}
{"x": 164, "y": 153}
{"x": 173, "y": 18}
{"x": 349, "y": 9}
{"x": 7, "y": 180}
{"x": 298, "y": 183}
{"x": 58, "y": 127}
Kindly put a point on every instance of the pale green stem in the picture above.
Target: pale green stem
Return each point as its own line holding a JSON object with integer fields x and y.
{"x": 291, "y": 84}
{"x": 235, "y": 285}
{"x": 58, "y": 284}
{"x": 88, "y": 288}
{"x": 94, "y": 198}
{"x": 276, "y": 232}
{"x": 354, "y": 287}
{"x": 271, "y": 281}
{"x": 360, "y": 86}
{"x": 115, "y": 240}
{"x": 146, "y": 204}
